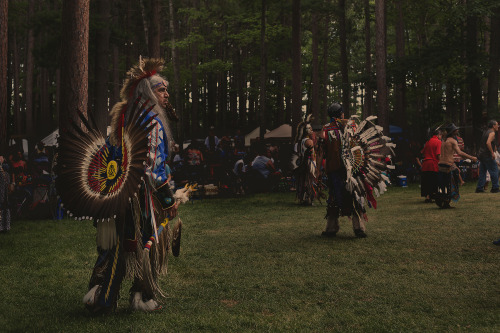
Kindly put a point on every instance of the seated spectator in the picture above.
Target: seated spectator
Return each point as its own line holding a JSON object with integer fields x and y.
{"x": 240, "y": 172}
{"x": 41, "y": 163}
{"x": 19, "y": 172}
{"x": 266, "y": 177}
{"x": 194, "y": 163}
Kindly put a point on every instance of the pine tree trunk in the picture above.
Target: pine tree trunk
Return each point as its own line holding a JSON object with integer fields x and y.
{"x": 400, "y": 89}
{"x": 74, "y": 60}
{"x": 346, "y": 87}
{"x": 29, "y": 73}
{"x": 368, "y": 100}
{"x": 145, "y": 24}
{"x": 380, "y": 52}
{"x": 115, "y": 92}
{"x": 45, "y": 117}
{"x": 195, "y": 103}
{"x": 315, "y": 70}
{"x": 4, "y": 46}
{"x": 280, "y": 98}
{"x": 263, "y": 71}
{"x": 324, "y": 76}
{"x": 288, "y": 102}
{"x": 211, "y": 99}
{"x": 241, "y": 83}
{"x": 154, "y": 30}
{"x": 233, "y": 99}
{"x": 176, "y": 79}
{"x": 101, "y": 75}
{"x": 15, "y": 73}
{"x": 222, "y": 99}
{"x": 492, "y": 103}
{"x": 296, "y": 68}
{"x": 473, "y": 77}
{"x": 251, "y": 104}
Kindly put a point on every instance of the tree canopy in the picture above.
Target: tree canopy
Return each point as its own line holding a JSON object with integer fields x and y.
{"x": 441, "y": 61}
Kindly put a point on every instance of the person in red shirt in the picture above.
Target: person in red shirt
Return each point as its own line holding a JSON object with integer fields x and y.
{"x": 431, "y": 152}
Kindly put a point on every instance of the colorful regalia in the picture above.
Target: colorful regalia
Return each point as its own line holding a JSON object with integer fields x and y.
{"x": 120, "y": 183}
{"x": 357, "y": 161}
{"x": 306, "y": 169}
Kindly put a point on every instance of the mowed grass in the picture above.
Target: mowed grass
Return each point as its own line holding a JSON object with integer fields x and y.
{"x": 258, "y": 263}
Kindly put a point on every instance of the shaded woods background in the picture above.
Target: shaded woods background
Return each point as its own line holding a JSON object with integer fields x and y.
{"x": 240, "y": 64}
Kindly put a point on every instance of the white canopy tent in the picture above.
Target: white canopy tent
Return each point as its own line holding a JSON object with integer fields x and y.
{"x": 51, "y": 139}
{"x": 253, "y": 135}
{"x": 283, "y": 131}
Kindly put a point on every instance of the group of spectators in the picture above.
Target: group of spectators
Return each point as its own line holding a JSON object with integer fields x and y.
{"x": 228, "y": 164}
{"x": 19, "y": 180}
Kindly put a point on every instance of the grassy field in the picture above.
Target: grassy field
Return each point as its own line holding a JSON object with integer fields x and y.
{"x": 258, "y": 263}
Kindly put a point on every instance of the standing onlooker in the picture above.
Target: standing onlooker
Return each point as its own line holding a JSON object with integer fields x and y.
{"x": 4, "y": 198}
{"x": 431, "y": 152}
{"x": 211, "y": 141}
{"x": 486, "y": 156}
{"x": 458, "y": 159}
{"x": 448, "y": 183}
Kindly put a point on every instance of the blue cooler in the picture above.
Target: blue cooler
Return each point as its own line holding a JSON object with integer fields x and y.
{"x": 402, "y": 181}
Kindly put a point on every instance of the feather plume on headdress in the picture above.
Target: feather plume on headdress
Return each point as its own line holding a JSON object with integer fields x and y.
{"x": 302, "y": 127}
{"x": 143, "y": 69}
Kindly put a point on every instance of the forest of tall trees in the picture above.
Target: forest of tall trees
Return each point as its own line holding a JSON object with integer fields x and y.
{"x": 240, "y": 64}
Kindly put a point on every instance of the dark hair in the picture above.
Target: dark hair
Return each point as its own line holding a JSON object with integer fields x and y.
{"x": 492, "y": 123}
{"x": 335, "y": 110}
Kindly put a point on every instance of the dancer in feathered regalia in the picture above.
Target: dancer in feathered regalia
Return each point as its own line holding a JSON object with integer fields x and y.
{"x": 121, "y": 184}
{"x": 306, "y": 169}
{"x": 355, "y": 165}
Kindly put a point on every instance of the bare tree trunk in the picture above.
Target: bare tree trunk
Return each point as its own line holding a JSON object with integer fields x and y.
{"x": 233, "y": 96}
{"x": 15, "y": 73}
{"x": 346, "y": 87}
{"x": 400, "y": 91}
{"x": 45, "y": 116}
{"x": 380, "y": 51}
{"x": 492, "y": 104}
{"x": 324, "y": 77}
{"x": 473, "y": 77}
{"x": 241, "y": 83}
{"x": 280, "y": 98}
{"x": 74, "y": 57}
{"x": 288, "y": 102}
{"x": 116, "y": 76}
{"x": 367, "y": 109}
{"x": 195, "y": 104}
{"x": 315, "y": 70}
{"x": 176, "y": 65}
{"x": 4, "y": 46}
{"x": 58, "y": 95}
{"x": 154, "y": 31}
{"x": 101, "y": 109}
{"x": 252, "y": 99}
{"x": 222, "y": 99}
{"x": 296, "y": 68}
{"x": 29, "y": 73}
{"x": 263, "y": 70}
{"x": 145, "y": 23}
{"x": 211, "y": 98}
